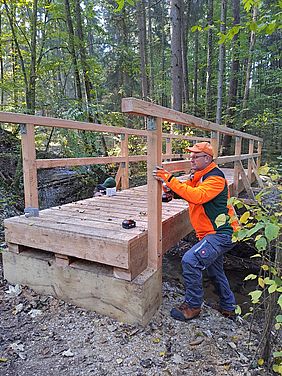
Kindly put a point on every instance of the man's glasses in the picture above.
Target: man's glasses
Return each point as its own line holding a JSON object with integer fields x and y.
{"x": 197, "y": 156}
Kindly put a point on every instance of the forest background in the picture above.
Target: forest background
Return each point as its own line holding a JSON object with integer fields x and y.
{"x": 215, "y": 59}
{"x": 219, "y": 60}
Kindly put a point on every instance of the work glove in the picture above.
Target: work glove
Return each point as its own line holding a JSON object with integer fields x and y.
{"x": 161, "y": 174}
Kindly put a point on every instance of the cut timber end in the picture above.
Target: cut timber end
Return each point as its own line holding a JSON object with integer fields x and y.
{"x": 87, "y": 285}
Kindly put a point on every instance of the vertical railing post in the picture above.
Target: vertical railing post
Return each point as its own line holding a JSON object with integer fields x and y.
{"x": 259, "y": 152}
{"x": 29, "y": 167}
{"x": 238, "y": 146}
{"x": 125, "y": 164}
{"x": 250, "y": 165}
{"x": 154, "y": 158}
{"x": 215, "y": 143}
{"x": 168, "y": 147}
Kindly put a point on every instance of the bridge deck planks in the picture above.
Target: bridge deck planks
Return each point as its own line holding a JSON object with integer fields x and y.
{"x": 91, "y": 229}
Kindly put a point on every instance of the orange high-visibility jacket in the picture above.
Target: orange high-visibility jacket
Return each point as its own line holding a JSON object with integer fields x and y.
{"x": 207, "y": 194}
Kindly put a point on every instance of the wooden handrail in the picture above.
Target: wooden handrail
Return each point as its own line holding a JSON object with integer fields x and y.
{"x": 139, "y": 107}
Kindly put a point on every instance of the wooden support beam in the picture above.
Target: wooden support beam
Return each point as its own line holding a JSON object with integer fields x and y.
{"x": 255, "y": 171}
{"x": 154, "y": 151}
{"x": 245, "y": 180}
{"x": 215, "y": 143}
{"x": 29, "y": 166}
{"x": 259, "y": 152}
{"x": 238, "y": 146}
{"x": 168, "y": 146}
{"x": 125, "y": 164}
{"x": 250, "y": 166}
{"x": 62, "y": 260}
{"x": 177, "y": 166}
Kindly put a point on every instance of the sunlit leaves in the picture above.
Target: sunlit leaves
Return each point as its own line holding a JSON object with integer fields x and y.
{"x": 261, "y": 244}
{"x": 220, "y": 220}
{"x": 271, "y": 231}
{"x": 255, "y": 296}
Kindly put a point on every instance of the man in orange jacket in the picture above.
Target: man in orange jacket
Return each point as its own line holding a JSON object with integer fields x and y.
{"x": 207, "y": 194}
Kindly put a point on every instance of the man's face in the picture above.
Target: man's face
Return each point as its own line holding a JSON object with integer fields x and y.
{"x": 199, "y": 161}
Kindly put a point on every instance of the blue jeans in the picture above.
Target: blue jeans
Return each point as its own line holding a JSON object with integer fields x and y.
{"x": 207, "y": 254}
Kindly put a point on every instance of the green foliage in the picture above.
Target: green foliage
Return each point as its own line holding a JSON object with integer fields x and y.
{"x": 261, "y": 222}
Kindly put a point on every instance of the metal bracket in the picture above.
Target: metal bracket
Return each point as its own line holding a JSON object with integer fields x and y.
{"x": 31, "y": 212}
{"x": 168, "y": 140}
{"x": 122, "y": 165}
{"x": 122, "y": 136}
{"x": 151, "y": 123}
{"x": 23, "y": 128}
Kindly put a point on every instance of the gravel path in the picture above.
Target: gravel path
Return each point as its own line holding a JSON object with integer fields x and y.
{"x": 40, "y": 335}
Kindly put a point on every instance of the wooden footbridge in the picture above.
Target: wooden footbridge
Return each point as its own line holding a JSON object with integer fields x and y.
{"x": 79, "y": 251}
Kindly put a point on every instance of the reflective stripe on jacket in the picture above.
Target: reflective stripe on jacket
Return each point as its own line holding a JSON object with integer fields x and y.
{"x": 207, "y": 194}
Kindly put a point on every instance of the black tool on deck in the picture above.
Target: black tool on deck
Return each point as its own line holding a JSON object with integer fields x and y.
{"x": 128, "y": 223}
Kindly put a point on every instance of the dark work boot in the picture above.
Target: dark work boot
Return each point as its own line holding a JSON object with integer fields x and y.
{"x": 226, "y": 313}
{"x": 184, "y": 312}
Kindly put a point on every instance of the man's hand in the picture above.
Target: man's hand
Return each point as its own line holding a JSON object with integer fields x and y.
{"x": 161, "y": 174}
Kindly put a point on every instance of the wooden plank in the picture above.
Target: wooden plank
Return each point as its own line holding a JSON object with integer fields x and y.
{"x": 259, "y": 152}
{"x": 245, "y": 180}
{"x": 215, "y": 143}
{"x": 255, "y": 171}
{"x": 62, "y": 260}
{"x": 125, "y": 164}
{"x": 29, "y": 166}
{"x": 15, "y": 118}
{"x": 233, "y": 158}
{"x": 177, "y": 166}
{"x": 251, "y": 151}
{"x": 238, "y": 148}
{"x": 69, "y": 243}
{"x": 15, "y": 248}
{"x": 139, "y": 107}
{"x": 154, "y": 189}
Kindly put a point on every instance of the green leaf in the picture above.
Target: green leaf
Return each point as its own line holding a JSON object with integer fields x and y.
{"x": 244, "y": 218}
{"x": 279, "y": 301}
{"x": 261, "y": 244}
{"x": 278, "y": 318}
{"x": 261, "y": 282}
{"x": 250, "y": 276}
{"x": 256, "y": 228}
{"x": 277, "y": 368}
{"x": 271, "y": 231}
{"x": 263, "y": 170}
{"x": 238, "y": 310}
{"x": 277, "y": 326}
{"x": 220, "y": 220}
{"x": 255, "y": 295}
{"x": 272, "y": 288}
{"x": 260, "y": 361}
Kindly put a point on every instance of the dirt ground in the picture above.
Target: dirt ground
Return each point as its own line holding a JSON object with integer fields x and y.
{"x": 40, "y": 335}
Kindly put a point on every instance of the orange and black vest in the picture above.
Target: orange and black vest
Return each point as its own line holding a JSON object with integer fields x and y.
{"x": 207, "y": 194}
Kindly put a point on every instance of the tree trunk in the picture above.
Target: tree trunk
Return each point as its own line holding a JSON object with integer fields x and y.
{"x": 84, "y": 64}
{"x": 73, "y": 53}
{"x": 164, "y": 101}
{"x": 196, "y": 68}
{"x": 249, "y": 66}
{"x": 141, "y": 22}
{"x": 176, "y": 54}
{"x": 208, "y": 107}
{"x": 11, "y": 18}
{"x": 32, "y": 74}
{"x": 1, "y": 64}
{"x": 151, "y": 55}
{"x": 221, "y": 63}
{"x": 185, "y": 27}
{"x": 234, "y": 74}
